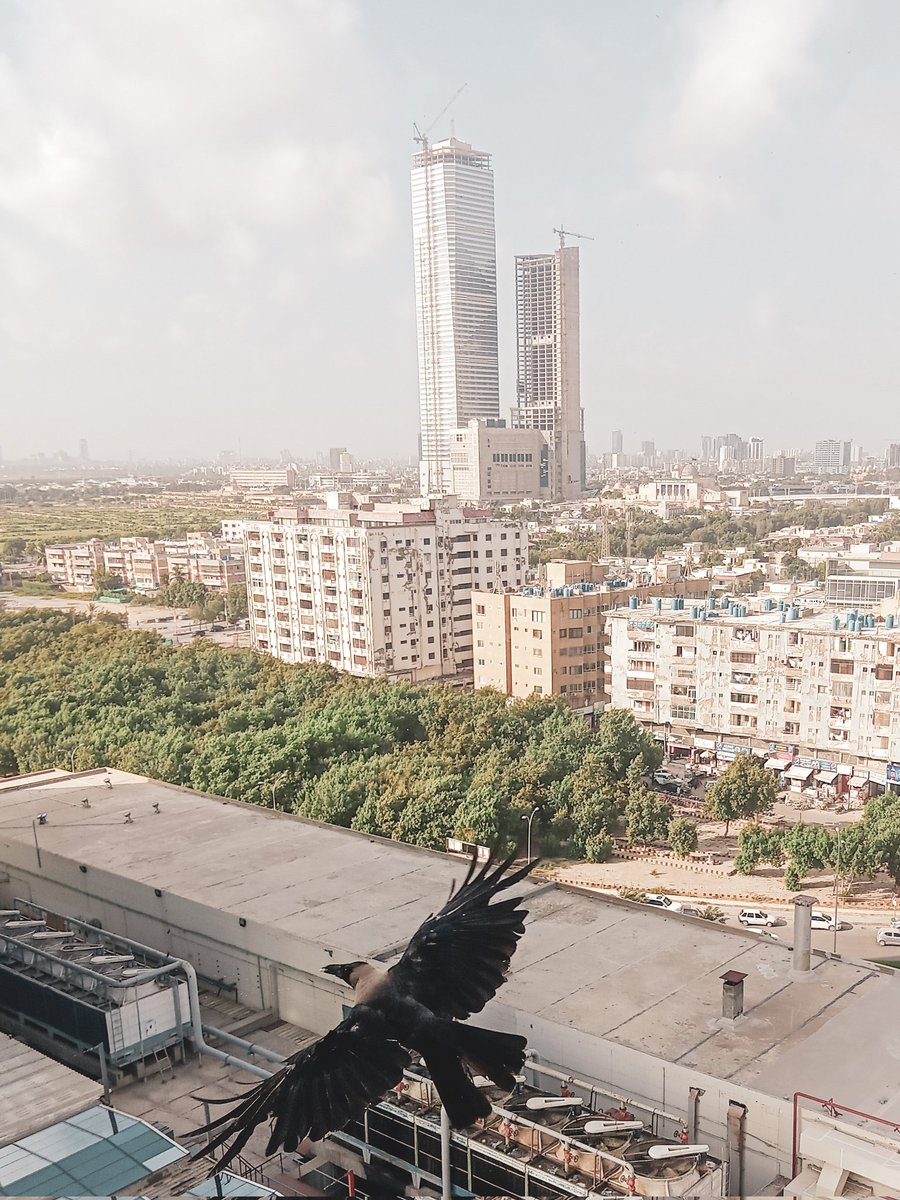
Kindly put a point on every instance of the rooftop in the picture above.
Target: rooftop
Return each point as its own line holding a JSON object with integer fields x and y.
{"x": 642, "y": 979}
{"x": 821, "y": 621}
{"x": 36, "y": 1090}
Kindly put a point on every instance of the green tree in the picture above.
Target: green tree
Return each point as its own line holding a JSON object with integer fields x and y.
{"x": 647, "y": 816}
{"x": 621, "y": 742}
{"x": 745, "y": 789}
{"x": 237, "y": 602}
{"x": 758, "y": 844}
{"x": 682, "y": 836}
{"x": 599, "y": 848}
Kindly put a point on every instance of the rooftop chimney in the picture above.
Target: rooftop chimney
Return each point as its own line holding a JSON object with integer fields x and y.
{"x": 802, "y": 933}
{"x": 732, "y": 994}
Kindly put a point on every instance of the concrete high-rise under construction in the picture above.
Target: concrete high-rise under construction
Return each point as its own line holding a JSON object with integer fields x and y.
{"x": 548, "y": 382}
{"x": 454, "y": 248}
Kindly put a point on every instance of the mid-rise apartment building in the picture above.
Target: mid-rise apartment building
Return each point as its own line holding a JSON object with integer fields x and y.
{"x": 554, "y": 639}
{"x": 863, "y": 580}
{"x": 378, "y": 589}
{"x": 75, "y": 564}
{"x": 145, "y": 565}
{"x": 818, "y": 685}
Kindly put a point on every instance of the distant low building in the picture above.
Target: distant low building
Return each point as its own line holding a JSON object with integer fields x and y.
{"x": 491, "y": 462}
{"x": 265, "y": 479}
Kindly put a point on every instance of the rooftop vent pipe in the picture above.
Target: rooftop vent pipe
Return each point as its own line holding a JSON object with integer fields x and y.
{"x": 802, "y": 933}
{"x": 732, "y": 994}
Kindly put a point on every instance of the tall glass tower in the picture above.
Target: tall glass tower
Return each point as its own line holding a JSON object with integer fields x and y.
{"x": 455, "y": 255}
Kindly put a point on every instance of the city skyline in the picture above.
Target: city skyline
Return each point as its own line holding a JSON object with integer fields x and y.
{"x": 187, "y": 247}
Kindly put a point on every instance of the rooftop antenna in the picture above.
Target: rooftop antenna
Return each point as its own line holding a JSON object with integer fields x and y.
{"x": 562, "y": 234}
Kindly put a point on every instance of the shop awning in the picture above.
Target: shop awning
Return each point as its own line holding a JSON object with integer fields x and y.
{"x": 827, "y": 776}
{"x": 775, "y": 764}
{"x": 858, "y": 781}
{"x": 801, "y": 774}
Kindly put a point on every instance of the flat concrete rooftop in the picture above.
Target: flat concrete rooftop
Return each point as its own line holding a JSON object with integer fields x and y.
{"x": 634, "y": 976}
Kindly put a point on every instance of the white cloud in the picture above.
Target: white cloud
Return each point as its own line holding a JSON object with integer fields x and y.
{"x": 215, "y": 121}
{"x": 745, "y": 59}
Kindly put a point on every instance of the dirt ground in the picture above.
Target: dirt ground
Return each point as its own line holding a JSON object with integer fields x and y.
{"x": 765, "y": 884}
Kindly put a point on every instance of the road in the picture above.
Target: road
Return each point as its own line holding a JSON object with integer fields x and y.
{"x": 855, "y": 938}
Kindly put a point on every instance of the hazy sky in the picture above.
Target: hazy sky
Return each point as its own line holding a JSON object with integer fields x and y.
{"x": 205, "y": 232}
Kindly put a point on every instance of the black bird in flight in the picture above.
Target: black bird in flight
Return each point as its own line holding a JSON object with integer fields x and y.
{"x": 454, "y": 964}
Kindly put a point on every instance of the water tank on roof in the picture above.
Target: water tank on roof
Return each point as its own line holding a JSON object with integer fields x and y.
{"x": 695, "y": 612}
{"x": 835, "y": 622}
{"x": 889, "y": 621}
{"x": 632, "y": 601}
{"x": 657, "y": 604}
{"x": 782, "y": 617}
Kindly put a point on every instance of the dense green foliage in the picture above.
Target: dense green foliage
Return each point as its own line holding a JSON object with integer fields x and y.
{"x": 647, "y": 816}
{"x": 652, "y": 535}
{"x": 682, "y": 836}
{"x": 412, "y": 762}
{"x": 745, "y": 789}
{"x": 862, "y": 849}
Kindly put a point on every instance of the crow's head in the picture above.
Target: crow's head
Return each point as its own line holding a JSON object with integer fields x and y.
{"x": 342, "y": 970}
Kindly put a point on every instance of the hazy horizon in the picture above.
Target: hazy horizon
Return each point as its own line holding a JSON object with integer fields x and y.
{"x": 205, "y": 217}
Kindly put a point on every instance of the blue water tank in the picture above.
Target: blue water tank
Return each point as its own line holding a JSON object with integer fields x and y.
{"x": 632, "y": 601}
{"x": 782, "y": 618}
{"x": 835, "y": 622}
{"x": 657, "y": 603}
{"x": 890, "y": 621}
{"x": 695, "y": 612}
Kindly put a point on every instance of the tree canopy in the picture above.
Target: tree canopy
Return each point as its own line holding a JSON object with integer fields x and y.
{"x": 401, "y": 760}
{"x": 743, "y": 790}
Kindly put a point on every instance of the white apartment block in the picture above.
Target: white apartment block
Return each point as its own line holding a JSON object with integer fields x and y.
{"x": 821, "y": 686}
{"x": 455, "y": 263}
{"x": 380, "y": 589}
{"x": 265, "y": 479}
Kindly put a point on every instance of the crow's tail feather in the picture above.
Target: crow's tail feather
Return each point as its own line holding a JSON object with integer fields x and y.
{"x": 500, "y": 1056}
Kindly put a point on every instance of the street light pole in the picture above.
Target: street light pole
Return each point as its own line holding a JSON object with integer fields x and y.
{"x": 837, "y": 874}
{"x": 529, "y": 819}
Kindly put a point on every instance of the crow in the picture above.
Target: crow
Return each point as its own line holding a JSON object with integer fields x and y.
{"x": 454, "y": 964}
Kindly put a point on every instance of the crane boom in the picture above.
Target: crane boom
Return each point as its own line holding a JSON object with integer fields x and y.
{"x": 421, "y": 136}
{"x": 564, "y": 233}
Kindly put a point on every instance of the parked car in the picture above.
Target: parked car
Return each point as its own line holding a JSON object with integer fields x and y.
{"x": 822, "y": 920}
{"x": 889, "y": 936}
{"x": 656, "y": 900}
{"x": 670, "y": 785}
{"x": 755, "y": 916}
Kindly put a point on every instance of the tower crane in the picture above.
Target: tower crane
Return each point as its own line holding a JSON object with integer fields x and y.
{"x": 422, "y": 138}
{"x": 564, "y": 233}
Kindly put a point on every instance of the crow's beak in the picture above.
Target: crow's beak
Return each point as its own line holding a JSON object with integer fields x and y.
{"x": 331, "y": 969}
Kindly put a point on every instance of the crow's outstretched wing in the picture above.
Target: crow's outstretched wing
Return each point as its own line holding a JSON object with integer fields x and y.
{"x": 458, "y": 959}
{"x": 320, "y": 1089}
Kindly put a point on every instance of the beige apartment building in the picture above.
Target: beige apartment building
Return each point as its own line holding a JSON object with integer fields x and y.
{"x": 74, "y": 564}
{"x": 145, "y": 565}
{"x": 554, "y": 639}
{"x": 816, "y": 686}
{"x": 378, "y": 589}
